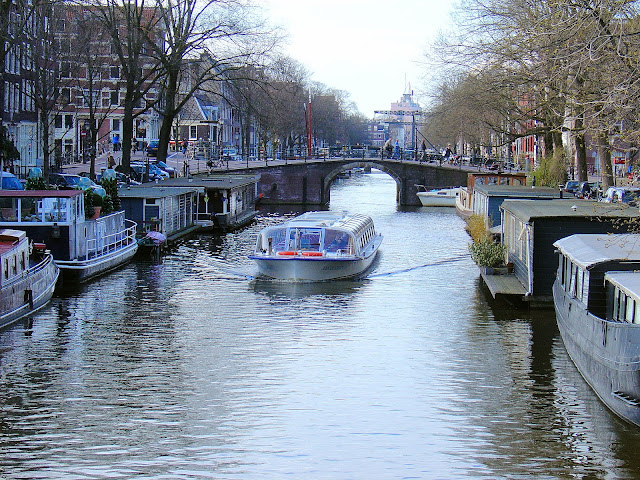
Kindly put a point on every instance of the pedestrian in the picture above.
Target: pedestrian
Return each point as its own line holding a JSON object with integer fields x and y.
{"x": 185, "y": 144}
{"x": 424, "y": 150}
{"x": 447, "y": 153}
{"x": 110, "y": 161}
{"x": 388, "y": 148}
{"x": 396, "y": 150}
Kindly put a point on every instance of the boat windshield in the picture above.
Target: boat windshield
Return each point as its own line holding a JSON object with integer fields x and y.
{"x": 305, "y": 239}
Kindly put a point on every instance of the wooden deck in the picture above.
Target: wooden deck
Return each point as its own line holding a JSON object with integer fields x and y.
{"x": 504, "y": 284}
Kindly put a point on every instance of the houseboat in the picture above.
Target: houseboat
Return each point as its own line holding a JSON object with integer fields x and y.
{"x": 225, "y": 202}
{"x": 529, "y": 229}
{"x": 464, "y": 202}
{"x": 317, "y": 246}
{"x": 28, "y": 276}
{"x": 83, "y": 248}
{"x": 170, "y": 212}
{"x": 487, "y": 199}
{"x": 597, "y": 301}
{"x": 439, "y": 197}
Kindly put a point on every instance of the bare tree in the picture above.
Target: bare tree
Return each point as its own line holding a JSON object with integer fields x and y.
{"x": 227, "y": 32}
{"x": 135, "y": 31}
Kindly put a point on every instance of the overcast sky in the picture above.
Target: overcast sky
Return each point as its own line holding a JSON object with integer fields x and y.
{"x": 369, "y": 48}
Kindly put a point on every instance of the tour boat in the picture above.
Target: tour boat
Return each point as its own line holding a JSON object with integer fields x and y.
{"x": 317, "y": 246}
{"x": 597, "y": 301}
{"x": 83, "y": 248}
{"x": 28, "y": 276}
{"x": 440, "y": 197}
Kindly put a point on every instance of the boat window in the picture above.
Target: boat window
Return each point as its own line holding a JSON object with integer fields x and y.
{"x": 614, "y": 313}
{"x": 23, "y": 262}
{"x": 335, "y": 240}
{"x": 631, "y": 308}
{"x": 6, "y": 268}
{"x": 28, "y": 210}
{"x": 579, "y": 277}
{"x": 636, "y": 317}
{"x": 561, "y": 269}
{"x": 572, "y": 286}
{"x": 585, "y": 287}
{"x": 8, "y": 209}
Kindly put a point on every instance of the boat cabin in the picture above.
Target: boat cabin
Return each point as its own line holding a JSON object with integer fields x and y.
{"x": 623, "y": 296}
{"x": 228, "y": 201}
{"x": 14, "y": 254}
{"x": 588, "y": 263}
{"x": 530, "y": 228}
{"x": 170, "y": 211}
{"x": 320, "y": 233}
{"x": 56, "y": 218}
{"x": 465, "y": 198}
{"x": 488, "y": 198}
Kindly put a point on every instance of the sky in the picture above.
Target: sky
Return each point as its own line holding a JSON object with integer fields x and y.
{"x": 372, "y": 49}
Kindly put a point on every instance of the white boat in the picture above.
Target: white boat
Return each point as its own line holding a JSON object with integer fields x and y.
{"x": 439, "y": 197}
{"x": 317, "y": 246}
{"x": 82, "y": 248}
{"x": 597, "y": 300}
{"x": 27, "y": 281}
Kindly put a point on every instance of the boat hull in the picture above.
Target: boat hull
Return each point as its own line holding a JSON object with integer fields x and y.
{"x": 78, "y": 271}
{"x": 606, "y": 353}
{"x": 27, "y": 294}
{"x": 432, "y": 199}
{"x": 314, "y": 269}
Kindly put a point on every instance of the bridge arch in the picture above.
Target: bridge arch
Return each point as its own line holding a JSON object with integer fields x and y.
{"x": 331, "y": 176}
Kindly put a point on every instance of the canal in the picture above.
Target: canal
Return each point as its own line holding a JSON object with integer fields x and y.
{"x": 190, "y": 367}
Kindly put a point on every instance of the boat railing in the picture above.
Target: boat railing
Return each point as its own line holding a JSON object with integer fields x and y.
{"x": 112, "y": 242}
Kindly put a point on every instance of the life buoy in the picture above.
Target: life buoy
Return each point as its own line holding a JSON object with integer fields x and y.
{"x": 312, "y": 254}
{"x": 287, "y": 253}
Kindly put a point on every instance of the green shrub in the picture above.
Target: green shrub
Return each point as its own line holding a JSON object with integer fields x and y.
{"x": 487, "y": 253}
{"x": 89, "y": 211}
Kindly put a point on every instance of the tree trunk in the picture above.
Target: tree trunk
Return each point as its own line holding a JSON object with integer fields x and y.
{"x": 44, "y": 125}
{"x": 168, "y": 115}
{"x": 604, "y": 153}
{"x": 127, "y": 133}
{"x": 580, "y": 149}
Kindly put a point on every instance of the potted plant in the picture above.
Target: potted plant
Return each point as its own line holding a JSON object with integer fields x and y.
{"x": 487, "y": 254}
{"x": 97, "y": 205}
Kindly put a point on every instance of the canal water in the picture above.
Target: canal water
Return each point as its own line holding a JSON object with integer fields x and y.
{"x": 190, "y": 367}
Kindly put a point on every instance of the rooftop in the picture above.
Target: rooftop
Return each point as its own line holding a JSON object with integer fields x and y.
{"x": 568, "y": 208}
{"x": 587, "y": 250}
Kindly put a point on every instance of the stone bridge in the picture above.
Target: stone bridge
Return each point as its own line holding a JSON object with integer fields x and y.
{"x": 309, "y": 183}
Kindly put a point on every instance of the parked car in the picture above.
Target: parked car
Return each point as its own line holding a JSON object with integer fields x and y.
{"x": 11, "y": 182}
{"x": 155, "y": 172}
{"x": 152, "y": 148}
{"x": 571, "y": 186}
{"x": 588, "y": 190}
{"x": 65, "y": 181}
{"x": 629, "y": 195}
{"x": 163, "y": 166}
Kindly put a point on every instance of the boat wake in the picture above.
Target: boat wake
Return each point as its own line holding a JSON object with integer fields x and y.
{"x": 418, "y": 267}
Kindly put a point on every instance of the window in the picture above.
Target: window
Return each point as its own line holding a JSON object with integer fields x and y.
{"x": 65, "y": 70}
{"x": 114, "y": 97}
{"x": 115, "y": 124}
{"x": 65, "y": 95}
{"x": 115, "y": 72}
{"x": 68, "y": 121}
{"x": 58, "y": 121}
{"x": 193, "y": 132}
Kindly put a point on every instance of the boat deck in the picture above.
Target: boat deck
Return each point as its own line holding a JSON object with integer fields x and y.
{"x": 503, "y": 285}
